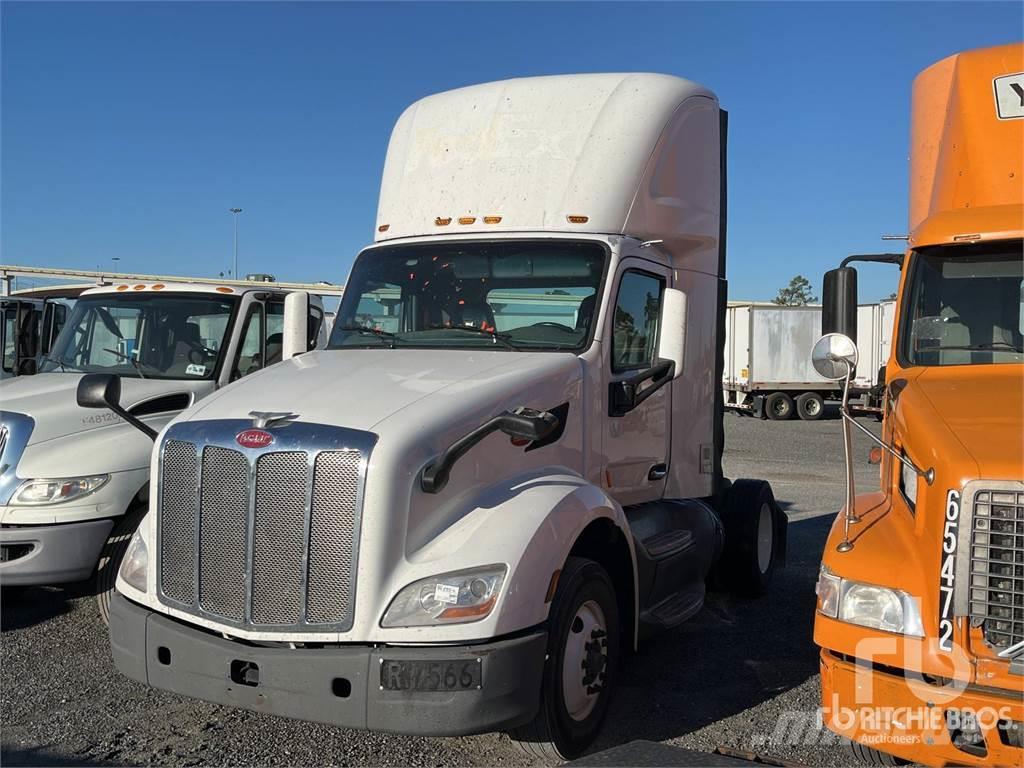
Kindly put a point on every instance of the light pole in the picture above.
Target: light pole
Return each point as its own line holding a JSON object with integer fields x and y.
{"x": 234, "y": 268}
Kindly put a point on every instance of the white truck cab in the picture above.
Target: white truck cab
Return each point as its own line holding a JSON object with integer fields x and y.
{"x": 73, "y": 482}
{"x": 504, "y": 469}
{"x": 28, "y": 329}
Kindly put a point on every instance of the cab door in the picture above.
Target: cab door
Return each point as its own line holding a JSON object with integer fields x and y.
{"x": 635, "y": 442}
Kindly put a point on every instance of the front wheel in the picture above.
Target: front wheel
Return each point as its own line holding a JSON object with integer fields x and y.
{"x": 110, "y": 559}
{"x": 583, "y": 652}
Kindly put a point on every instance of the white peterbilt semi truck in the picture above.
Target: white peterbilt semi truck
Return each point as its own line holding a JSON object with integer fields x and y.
{"x": 73, "y": 482}
{"x": 459, "y": 516}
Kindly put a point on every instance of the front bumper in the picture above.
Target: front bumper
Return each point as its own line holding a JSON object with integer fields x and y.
{"x": 51, "y": 554}
{"x": 908, "y": 718}
{"x": 338, "y": 685}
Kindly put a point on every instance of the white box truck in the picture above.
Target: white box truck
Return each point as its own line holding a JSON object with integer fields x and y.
{"x": 768, "y": 371}
{"x": 73, "y": 482}
{"x": 458, "y": 517}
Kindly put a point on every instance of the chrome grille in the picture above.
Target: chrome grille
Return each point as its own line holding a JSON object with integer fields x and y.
{"x": 997, "y": 566}
{"x": 223, "y": 532}
{"x": 178, "y": 520}
{"x": 278, "y": 539}
{"x": 3, "y": 441}
{"x": 332, "y": 529}
{"x": 261, "y": 538}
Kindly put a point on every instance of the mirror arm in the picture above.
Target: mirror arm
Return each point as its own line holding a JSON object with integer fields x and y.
{"x": 435, "y": 475}
{"x": 144, "y": 428}
{"x": 659, "y": 374}
{"x": 928, "y": 475}
{"x": 882, "y": 258}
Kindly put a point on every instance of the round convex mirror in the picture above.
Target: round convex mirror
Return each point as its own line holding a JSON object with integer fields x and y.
{"x": 831, "y": 354}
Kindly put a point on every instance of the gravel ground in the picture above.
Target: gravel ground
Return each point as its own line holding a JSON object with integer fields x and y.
{"x": 723, "y": 679}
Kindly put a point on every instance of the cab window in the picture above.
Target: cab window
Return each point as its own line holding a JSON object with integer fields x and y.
{"x": 635, "y": 321}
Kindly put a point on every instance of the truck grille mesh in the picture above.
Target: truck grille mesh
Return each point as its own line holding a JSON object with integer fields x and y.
{"x": 259, "y": 539}
{"x": 997, "y": 566}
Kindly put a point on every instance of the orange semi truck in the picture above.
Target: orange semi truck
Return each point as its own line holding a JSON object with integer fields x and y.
{"x": 920, "y": 612}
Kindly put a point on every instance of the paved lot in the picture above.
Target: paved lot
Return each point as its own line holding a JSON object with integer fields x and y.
{"x": 723, "y": 679}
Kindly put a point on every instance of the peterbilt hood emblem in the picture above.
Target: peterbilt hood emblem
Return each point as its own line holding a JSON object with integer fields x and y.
{"x": 254, "y": 438}
{"x": 267, "y": 419}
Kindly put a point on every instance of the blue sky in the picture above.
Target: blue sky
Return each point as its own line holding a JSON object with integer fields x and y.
{"x": 129, "y": 129}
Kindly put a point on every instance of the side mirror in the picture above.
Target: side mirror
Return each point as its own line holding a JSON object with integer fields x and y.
{"x": 103, "y": 390}
{"x": 839, "y": 302}
{"x": 672, "y": 343}
{"x": 295, "y": 334}
{"x": 834, "y": 355}
{"x": 99, "y": 390}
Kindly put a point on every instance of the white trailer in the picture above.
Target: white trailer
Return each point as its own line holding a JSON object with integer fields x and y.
{"x": 74, "y": 482}
{"x": 505, "y": 468}
{"x": 767, "y": 370}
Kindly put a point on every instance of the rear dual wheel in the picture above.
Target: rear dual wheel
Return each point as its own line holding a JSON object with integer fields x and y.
{"x": 579, "y": 672}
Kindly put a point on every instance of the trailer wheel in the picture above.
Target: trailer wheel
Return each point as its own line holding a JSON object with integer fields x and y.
{"x": 779, "y": 406}
{"x": 755, "y": 532}
{"x": 810, "y": 406}
{"x": 866, "y": 755}
{"x": 110, "y": 559}
{"x": 579, "y": 670}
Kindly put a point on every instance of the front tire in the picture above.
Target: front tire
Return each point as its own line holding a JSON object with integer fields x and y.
{"x": 865, "y": 755}
{"x": 110, "y": 560}
{"x": 579, "y": 673}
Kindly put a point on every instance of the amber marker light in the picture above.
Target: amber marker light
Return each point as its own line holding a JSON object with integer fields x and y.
{"x": 467, "y": 219}
{"x": 122, "y": 287}
{"x": 159, "y": 287}
{"x": 383, "y": 227}
{"x": 442, "y": 222}
{"x": 492, "y": 219}
{"x": 578, "y": 219}
{"x": 140, "y": 287}
{"x": 223, "y": 289}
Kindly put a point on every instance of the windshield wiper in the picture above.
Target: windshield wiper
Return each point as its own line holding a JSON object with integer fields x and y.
{"x": 985, "y": 346}
{"x": 134, "y": 363}
{"x": 370, "y": 331}
{"x": 498, "y": 337}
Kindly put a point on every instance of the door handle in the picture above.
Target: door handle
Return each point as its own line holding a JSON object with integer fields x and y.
{"x": 658, "y": 472}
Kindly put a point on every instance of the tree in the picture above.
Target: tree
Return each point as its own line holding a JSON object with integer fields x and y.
{"x": 796, "y": 294}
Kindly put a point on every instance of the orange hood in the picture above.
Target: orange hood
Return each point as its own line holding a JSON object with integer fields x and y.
{"x": 983, "y": 407}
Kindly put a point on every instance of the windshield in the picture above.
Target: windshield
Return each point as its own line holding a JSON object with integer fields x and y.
{"x": 512, "y": 294}
{"x": 152, "y": 336}
{"x": 966, "y": 306}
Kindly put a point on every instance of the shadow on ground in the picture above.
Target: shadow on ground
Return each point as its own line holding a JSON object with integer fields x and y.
{"x": 735, "y": 654}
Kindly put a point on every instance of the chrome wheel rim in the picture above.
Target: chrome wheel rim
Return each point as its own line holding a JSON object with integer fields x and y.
{"x": 812, "y": 407}
{"x": 585, "y": 660}
{"x": 765, "y": 534}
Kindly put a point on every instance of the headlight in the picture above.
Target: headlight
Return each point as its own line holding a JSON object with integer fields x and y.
{"x": 868, "y": 605}
{"x": 908, "y": 484}
{"x": 58, "y": 490}
{"x": 135, "y": 562}
{"x": 450, "y": 598}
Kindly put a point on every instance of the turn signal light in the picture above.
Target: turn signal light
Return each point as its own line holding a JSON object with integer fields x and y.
{"x": 578, "y": 219}
{"x": 875, "y": 455}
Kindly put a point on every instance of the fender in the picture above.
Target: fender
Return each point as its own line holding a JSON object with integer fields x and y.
{"x": 531, "y": 523}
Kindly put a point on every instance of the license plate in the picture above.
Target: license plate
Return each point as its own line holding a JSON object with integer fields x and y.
{"x": 430, "y": 675}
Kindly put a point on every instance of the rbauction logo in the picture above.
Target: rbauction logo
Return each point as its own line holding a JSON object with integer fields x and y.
{"x": 254, "y": 438}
